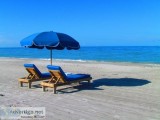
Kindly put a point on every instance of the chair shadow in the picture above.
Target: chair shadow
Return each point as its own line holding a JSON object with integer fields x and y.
{"x": 36, "y": 86}
{"x": 116, "y": 82}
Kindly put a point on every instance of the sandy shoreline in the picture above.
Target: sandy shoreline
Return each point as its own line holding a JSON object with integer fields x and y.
{"x": 119, "y": 91}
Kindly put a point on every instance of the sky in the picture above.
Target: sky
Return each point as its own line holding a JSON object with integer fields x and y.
{"x": 91, "y": 22}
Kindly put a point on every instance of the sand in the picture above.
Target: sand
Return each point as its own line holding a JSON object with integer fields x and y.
{"x": 119, "y": 91}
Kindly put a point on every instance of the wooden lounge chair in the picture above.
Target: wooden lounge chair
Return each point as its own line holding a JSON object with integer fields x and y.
{"x": 59, "y": 78}
{"x": 34, "y": 75}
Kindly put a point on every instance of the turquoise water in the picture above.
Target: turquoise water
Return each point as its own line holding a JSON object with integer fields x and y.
{"x": 136, "y": 54}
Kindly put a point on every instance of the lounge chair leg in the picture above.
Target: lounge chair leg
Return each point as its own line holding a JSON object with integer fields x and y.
{"x": 29, "y": 85}
{"x": 89, "y": 82}
{"x": 54, "y": 90}
{"x": 21, "y": 84}
{"x": 43, "y": 87}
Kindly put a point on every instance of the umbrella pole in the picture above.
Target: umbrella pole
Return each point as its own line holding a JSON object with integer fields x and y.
{"x": 51, "y": 56}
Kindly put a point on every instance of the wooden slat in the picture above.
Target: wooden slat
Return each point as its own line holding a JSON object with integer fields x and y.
{"x": 32, "y": 77}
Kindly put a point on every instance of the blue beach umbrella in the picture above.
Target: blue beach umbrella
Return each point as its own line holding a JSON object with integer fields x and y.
{"x": 50, "y": 40}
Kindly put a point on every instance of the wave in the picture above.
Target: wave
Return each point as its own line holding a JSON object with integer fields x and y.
{"x": 87, "y": 54}
{"x": 46, "y": 59}
{"x": 85, "y": 61}
{"x": 74, "y": 60}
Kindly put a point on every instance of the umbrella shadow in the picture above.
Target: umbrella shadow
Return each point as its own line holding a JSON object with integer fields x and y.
{"x": 120, "y": 82}
{"x": 98, "y": 83}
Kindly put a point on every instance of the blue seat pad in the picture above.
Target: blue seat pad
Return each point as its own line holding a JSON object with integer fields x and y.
{"x": 45, "y": 75}
{"x": 71, "y": 77}
{"x": 68, "y": 77}
{"x": 42, "y": 75}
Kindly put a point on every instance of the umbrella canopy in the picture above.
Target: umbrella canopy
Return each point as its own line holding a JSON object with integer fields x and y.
{"x": 50, "y": 40}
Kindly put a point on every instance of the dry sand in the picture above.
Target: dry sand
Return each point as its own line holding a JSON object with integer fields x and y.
{"x": 119, "y": 91}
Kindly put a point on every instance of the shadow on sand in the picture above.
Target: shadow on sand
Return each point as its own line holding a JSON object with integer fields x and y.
{"x": 120, "y": 82}
{"x": 96, "y": 84}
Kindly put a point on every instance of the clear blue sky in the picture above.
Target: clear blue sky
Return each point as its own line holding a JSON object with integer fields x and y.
{"x": 91, "y": 22}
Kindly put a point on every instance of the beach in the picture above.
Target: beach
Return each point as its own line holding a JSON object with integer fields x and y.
{"x": 118, "y": 91}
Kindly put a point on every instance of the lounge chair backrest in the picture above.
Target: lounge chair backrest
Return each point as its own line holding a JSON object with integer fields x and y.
{"x": 58, "y": 72}
{"x": 32, "y": 69}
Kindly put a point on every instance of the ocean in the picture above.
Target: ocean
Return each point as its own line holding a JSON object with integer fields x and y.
{"x": 134, "y": 54}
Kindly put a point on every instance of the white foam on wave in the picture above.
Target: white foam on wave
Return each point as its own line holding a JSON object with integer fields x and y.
{"x": 79, "y": 60}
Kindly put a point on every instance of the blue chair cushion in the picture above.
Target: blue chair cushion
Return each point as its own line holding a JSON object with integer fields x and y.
{"x": 42, "y": 75}
{"x": 45, "y": 75}
{"x": 71, "y": 77}
{"x": 68, "y": 77}
{"x": 51, "y": 67}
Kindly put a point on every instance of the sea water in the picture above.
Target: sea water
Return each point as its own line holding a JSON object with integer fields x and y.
{"x": 136, "y": 54}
